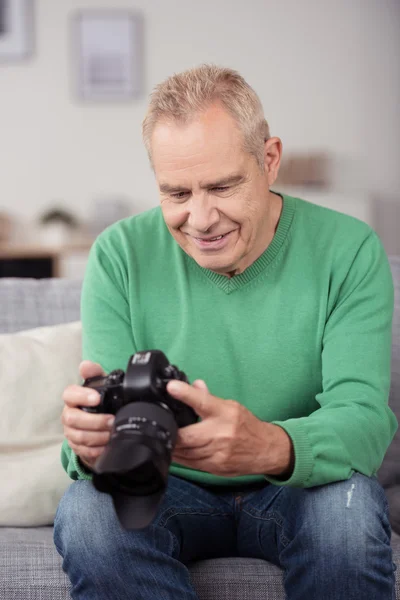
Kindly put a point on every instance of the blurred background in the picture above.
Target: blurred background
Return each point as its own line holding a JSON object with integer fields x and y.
{"x": 75, "y": 77}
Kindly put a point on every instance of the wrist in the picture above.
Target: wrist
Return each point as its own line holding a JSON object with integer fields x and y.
{"x": 85, "y": 464}
{"x": 283, "y": 458}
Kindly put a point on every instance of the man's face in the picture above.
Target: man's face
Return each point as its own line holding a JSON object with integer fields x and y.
{"x": 215, "y": 198}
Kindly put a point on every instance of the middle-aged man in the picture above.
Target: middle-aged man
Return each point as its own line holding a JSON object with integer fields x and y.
{"x": 279, "y": 311}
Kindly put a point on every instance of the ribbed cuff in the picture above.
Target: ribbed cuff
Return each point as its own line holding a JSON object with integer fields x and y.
{"x": 80, "y": 468}
{"x": 303, "y": 456}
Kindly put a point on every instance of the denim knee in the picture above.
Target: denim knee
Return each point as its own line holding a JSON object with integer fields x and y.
{"x": 103, "y": 560}
{"x": 86, "y": 527}
{"x": 85, "y": 521}
{"x": 341, "y": 522}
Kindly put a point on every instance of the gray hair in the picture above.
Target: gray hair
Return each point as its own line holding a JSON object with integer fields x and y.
{"x": 183, "y": 95}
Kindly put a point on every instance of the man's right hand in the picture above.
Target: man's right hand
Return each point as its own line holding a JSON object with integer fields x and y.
{"x": 87, "y": 433}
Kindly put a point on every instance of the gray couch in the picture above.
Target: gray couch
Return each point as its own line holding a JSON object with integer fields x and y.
{"x": 30, "y": 568}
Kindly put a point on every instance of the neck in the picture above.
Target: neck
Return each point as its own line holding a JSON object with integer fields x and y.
{"x": 271, "y": 223}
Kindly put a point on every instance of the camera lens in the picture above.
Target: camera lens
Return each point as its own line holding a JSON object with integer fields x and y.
{"x": 141, "y": 481}
{"x": 136, "y": 461}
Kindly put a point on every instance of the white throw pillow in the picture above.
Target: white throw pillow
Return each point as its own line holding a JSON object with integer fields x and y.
{"x": 35, "y": 367}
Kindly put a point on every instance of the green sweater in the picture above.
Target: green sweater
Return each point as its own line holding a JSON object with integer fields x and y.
{"x": 302, "y": 337}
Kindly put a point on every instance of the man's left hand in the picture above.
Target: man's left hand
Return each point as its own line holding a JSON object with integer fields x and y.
{"x": 229, "y": 441}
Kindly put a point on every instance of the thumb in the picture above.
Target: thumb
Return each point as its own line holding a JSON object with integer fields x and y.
{"x": 196, "y": 395}
{"x": 200, "y": 385}
{"x": 90, "y": 369}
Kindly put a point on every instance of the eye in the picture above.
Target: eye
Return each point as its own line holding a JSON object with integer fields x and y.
{"x": 179, "y": 195}
{"x": 221, "y": 188}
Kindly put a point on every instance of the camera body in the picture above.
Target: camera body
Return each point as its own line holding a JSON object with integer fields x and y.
{"x": 146, "y": 379}
{"x": 135, "y": 463}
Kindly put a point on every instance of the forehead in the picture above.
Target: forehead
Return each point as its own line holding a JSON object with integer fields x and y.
{"x": 205, "y": 146}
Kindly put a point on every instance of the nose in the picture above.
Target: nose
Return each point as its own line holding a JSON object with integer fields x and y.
{"x": 203, "y": 213}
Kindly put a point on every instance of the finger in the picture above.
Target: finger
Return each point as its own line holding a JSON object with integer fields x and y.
{"x": 194, "y": 436}
{"x": 79, "y": 419}
{"x": 76, "y": 395}
{"x": 90, "y": 369}
{"x": 200, "y": 400}
{"x": 200, "y": 384}
{"x": 206, "y": 450}
{"x": 87, "y": 438}
{"x": 88, "y": 454}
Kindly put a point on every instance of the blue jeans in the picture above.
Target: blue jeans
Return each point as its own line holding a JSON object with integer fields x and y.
{"x": 333, "y": 541}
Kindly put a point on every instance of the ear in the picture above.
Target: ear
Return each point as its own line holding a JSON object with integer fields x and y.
{"x": 272, "y": 158}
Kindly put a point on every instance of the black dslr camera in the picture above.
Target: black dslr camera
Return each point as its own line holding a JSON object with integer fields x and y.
{"x": 135, "y": 463}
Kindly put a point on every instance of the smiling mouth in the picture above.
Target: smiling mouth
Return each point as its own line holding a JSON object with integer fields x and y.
{"x": 217, "y": 242}
{"x": 213, "y": 239}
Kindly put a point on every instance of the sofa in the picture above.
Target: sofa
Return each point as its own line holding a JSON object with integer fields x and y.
{"x": 30, "y": 567}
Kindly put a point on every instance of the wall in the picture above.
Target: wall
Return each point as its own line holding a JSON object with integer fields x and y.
{"x": 327, "y": 73}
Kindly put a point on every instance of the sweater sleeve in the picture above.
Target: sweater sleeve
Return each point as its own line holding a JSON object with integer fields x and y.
{"x": 353, "y": 426}
{"x": 106, "y": 324}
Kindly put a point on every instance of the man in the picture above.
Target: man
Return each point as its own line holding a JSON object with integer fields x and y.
{"x": 279, "y": 311}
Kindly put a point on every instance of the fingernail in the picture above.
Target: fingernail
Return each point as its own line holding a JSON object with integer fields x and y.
{"x": 110, "y": 421}
{"x": 93, "y": 398}
{"x": 174, "y": 386}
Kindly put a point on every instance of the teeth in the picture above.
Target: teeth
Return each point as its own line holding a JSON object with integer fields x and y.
{"x": 214, "y": 239}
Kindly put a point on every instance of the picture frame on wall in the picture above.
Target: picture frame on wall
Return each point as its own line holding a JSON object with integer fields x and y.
{"x": 108, "y": 55}
{"x": 16, "y": 29}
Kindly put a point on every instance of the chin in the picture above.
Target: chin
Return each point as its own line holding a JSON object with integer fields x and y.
{"x": 222, "y": 262}
{"x": 213, "y": 265}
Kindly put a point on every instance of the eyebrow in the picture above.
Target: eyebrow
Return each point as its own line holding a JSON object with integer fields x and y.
{"x": 229, "y": 180}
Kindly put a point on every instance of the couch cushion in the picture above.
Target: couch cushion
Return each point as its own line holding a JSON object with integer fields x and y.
{"x": 30, "y": 568}
{"x": 29, "y": 303}
{"x": 36, "y": 365}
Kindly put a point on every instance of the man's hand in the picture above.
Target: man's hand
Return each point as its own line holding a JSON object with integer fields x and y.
{"x": 229, "y": 441}
{"x": 87, "y": 433}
